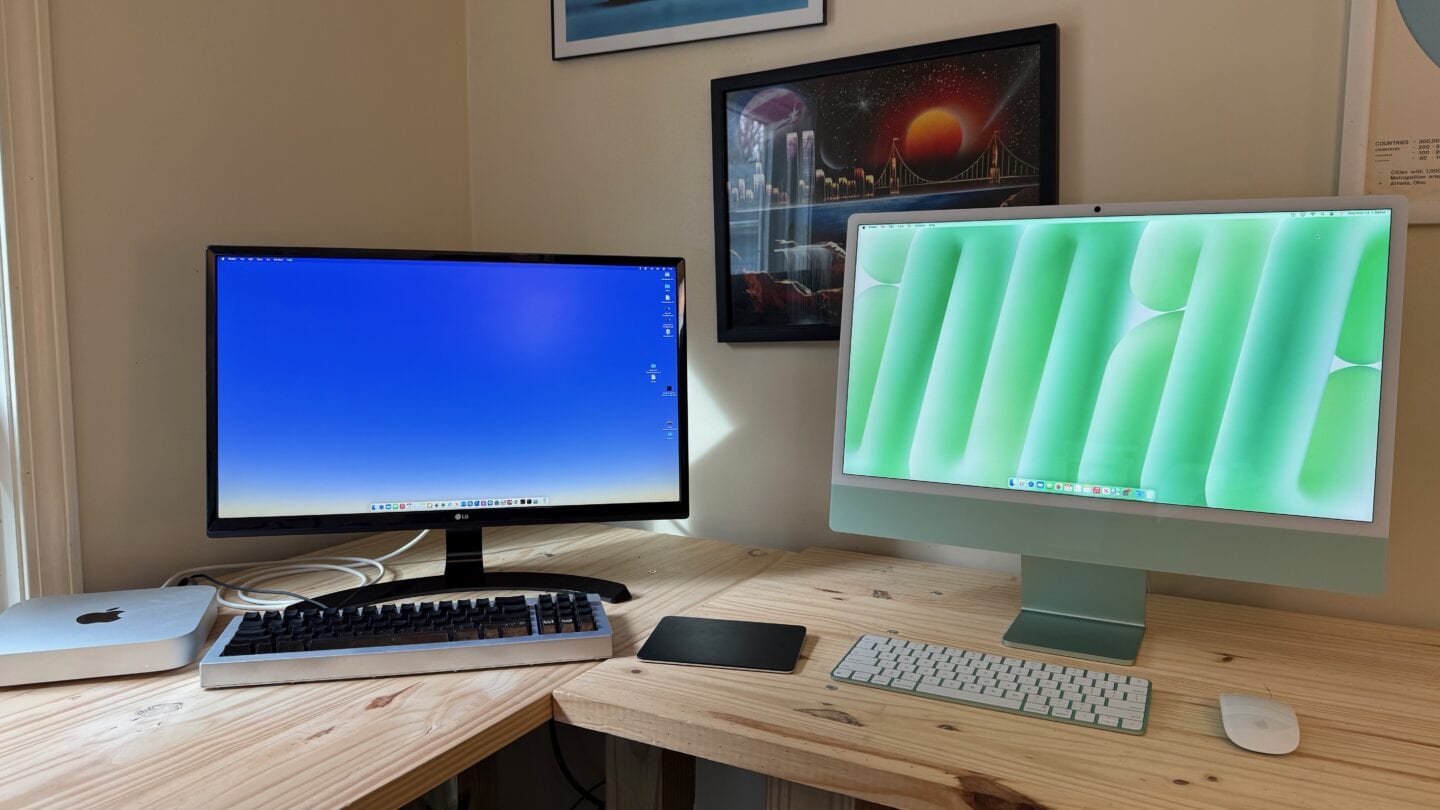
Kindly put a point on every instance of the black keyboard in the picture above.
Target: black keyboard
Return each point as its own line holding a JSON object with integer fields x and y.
{"x": 370, "y": 641}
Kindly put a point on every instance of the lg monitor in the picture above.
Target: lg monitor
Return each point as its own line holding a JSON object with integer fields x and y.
{"x": 377, "y": 390}
{"x": 1202, "y": 387}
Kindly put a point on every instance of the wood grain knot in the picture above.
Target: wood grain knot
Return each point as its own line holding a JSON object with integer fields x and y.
{"x": 1225, "y": 659}
{"x": 827, "y": 590}
{"x": 317, "y": 735}
{"x": 758, "y": 552}
{"x": 947, "y": 727}
{"x": 832, "y": 687}
{"x": 832, "y": 714}
{"x": 385, "y": 700}
{"x": 984, "y": 792}
{"x": 159, "y": 709}
{"x": 1212, "y": 779}
{"x": 636, "y": 671}
{"x": 1181, "y": 782}
{"x": 879, "y": 594}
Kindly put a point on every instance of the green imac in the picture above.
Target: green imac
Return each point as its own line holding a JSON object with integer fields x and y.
{"x": 1198, "y": 387}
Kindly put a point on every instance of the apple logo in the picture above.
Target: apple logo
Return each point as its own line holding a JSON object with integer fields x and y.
{"x": 110, "y": 615}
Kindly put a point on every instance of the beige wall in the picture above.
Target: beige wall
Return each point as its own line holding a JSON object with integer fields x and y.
{"x": 1158, "y": 101}
{"x": 187, "y": 122}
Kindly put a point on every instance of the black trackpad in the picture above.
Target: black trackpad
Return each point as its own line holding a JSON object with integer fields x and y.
{"x": 724, "y": 643}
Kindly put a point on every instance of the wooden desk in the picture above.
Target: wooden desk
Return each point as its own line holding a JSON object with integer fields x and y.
{"x": 160, "y": 741}
{"x": 1368, "y": 698}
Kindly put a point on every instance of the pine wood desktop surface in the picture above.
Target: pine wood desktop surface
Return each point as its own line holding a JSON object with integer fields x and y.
{"x": 159, "y": 740}
{"x": 1367, "y": 696}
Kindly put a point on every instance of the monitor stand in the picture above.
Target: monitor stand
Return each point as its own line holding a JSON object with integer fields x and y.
{"x": 465, "y": 571}
{"x": 1079, "y": 609}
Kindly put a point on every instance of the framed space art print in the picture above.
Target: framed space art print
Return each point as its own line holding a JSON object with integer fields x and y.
{"x": 958, "y": 124}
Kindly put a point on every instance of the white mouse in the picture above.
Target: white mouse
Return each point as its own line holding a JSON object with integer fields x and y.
{"x": 1260, "y": 724}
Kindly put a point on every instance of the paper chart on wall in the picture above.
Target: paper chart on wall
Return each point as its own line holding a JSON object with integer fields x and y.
{"x": 1392, "y": 123}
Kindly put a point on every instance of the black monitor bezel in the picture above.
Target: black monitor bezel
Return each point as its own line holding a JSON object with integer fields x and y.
{"x": 216, "y": 526}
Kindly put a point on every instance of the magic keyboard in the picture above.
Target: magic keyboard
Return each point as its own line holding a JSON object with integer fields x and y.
{"x": 1085, "y": 697}
{"x": 369, "y": 642}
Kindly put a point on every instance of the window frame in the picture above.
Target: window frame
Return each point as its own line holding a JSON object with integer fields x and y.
{"x": 39, "y": 506}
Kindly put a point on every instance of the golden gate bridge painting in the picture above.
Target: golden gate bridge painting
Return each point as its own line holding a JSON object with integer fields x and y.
{"x": 944, "y": 126}
{"x": 996, "y": 164}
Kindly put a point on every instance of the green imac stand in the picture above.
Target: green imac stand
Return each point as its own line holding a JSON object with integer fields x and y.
{"x": 1204, "y": 388}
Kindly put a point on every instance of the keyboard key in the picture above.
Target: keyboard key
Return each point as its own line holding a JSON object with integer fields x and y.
{"x": 1123, "y": 714}
{"x": 968, "y": 697}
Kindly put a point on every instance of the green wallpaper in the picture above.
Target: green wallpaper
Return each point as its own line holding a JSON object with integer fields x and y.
{"x": 1225, "y": 360}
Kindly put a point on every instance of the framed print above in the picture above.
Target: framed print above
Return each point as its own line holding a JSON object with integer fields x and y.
{"x": 1390, "y": 141}
{"x": 958, "y": 124}
{"x": 584, "y": 27}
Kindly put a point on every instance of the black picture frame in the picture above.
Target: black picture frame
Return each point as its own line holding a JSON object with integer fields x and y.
{"x": 927, "y": 95}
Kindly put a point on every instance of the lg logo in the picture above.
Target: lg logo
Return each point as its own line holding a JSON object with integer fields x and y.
{"x": 461, "y": 516}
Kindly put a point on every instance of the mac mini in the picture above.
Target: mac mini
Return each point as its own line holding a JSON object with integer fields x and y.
{"x": 97, "y": 635}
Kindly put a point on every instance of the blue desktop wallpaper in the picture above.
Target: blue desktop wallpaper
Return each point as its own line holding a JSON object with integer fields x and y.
{"x": 346, "y": 383}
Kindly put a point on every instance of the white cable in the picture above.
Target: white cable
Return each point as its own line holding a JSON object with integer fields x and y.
{"x": 270, "y": 569}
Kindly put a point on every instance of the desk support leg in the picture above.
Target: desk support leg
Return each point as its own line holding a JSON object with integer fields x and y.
{"x": 479, "y": 786}
{"x": 643, "y": 777}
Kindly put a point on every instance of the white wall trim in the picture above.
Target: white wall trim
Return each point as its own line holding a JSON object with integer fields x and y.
{"x": 38, "y": 424}
{"x": 1359, "y": 78}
